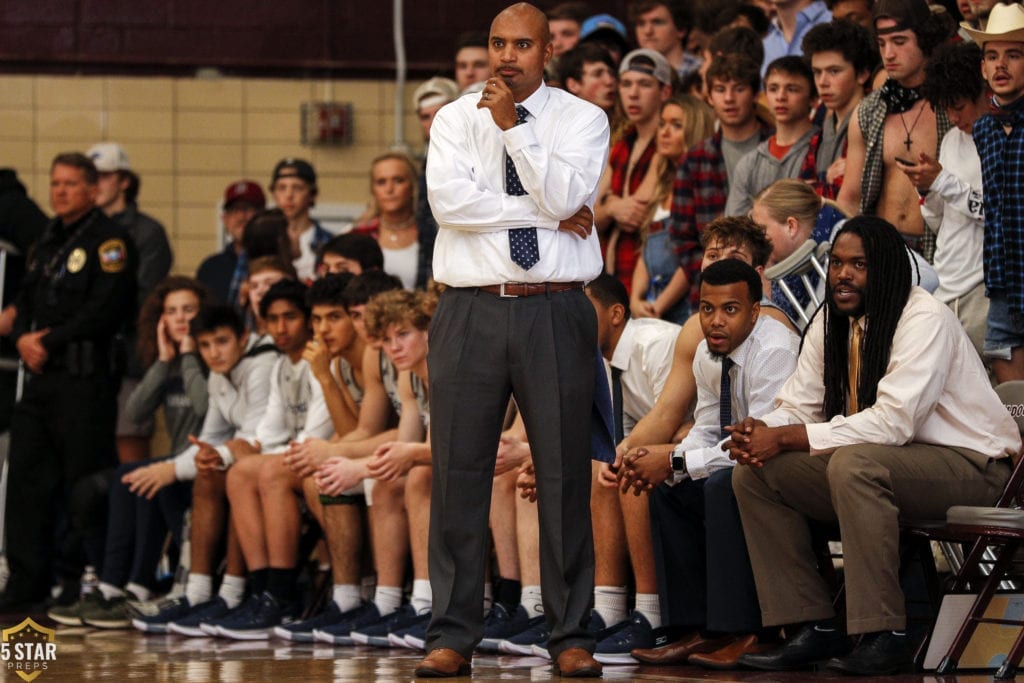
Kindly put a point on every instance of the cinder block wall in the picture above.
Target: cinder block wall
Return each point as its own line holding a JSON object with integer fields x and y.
{"x": 188, "y": 138}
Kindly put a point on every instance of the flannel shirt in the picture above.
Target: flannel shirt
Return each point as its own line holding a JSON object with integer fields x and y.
{"x": 627, "y": 244}
{"x": 1002, "y": 174}
{"x": 699, "y": 194}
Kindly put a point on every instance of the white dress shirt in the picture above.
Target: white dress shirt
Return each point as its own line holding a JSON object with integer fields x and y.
{"x": 935, "y": 391}
{"x": 644, "y": 354}
{"x": 237, "y": 403}
{"x": 953, "y": 208}
{"x": 296, "y": 409}
{"x": 559, "y": 153}
{"x": 763, "y": 363}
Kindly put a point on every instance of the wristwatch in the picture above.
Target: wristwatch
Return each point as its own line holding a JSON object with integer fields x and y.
{"x": 679, "y": 460}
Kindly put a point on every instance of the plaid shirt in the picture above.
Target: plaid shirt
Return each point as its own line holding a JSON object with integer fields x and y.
{"x": 698, "y": 197}
{"x": 1002, "y": 173}
{"x": 627, "y": 244}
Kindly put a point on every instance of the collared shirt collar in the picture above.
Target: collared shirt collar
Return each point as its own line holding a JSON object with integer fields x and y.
{"x": 808, "y": 14}
{"x": 740, "y": 353}
{"x": 624, "y": 349}
{"x": 536, "y": 102}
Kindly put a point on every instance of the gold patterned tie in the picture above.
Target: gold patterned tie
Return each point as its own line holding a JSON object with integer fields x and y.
{"x": 854, "y": 379}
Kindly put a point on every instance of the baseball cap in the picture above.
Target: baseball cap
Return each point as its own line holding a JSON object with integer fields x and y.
{"x": 109, "y": 157}
{"x": 641, "y": 61}
{"x": 246, "y": 191}
{"x": 436, "y": 91}
{"x": 908, "y": 14}
{"x": 605, "y": 29}
{"x": 290, "y": 167}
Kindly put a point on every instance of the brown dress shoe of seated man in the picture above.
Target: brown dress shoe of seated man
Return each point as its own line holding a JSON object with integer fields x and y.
{"x": 679, "y": 651}
{"x": 443, "y": 663}
{"x": 727, "y": 657}
{"x": 576, "y": 663}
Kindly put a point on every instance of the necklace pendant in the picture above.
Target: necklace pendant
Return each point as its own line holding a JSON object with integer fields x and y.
{"x": 907, "y": 142}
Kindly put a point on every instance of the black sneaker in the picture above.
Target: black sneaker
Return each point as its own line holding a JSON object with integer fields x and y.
{"x": 376, "y": 634}
{"x": 169, "y": 610}
{"x": 615, "y": 649}
{"x": 413, "y": 637}
{"x": 302, "y": 631}
{"x": 258, "y": 623}
{"x": 522, "y": 643}
{"x": 500, "y": 624}
{"x": 190, "y": 624}
{"x": 211, "y": 627}
{"x": 339, "y": 633}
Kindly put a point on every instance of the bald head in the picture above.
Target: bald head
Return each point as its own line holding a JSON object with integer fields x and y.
{"x": 525, "y": 15}
{"x": 519, "y": 48}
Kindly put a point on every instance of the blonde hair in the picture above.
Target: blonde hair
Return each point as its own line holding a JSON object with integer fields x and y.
{"x": 372, "y": 210}
{"x": 785, "y": 198}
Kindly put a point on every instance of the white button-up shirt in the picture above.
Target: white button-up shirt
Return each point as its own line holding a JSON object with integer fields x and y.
{"x": 559, "y": 153}
{"x": 935, "y": 391}
{"x": 644, "y": 354}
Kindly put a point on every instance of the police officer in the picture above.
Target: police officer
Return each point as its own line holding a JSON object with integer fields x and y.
{"x": 79, "y": 290}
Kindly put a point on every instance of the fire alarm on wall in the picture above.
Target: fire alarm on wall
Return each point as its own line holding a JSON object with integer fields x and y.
{"x": 326, "y": 123}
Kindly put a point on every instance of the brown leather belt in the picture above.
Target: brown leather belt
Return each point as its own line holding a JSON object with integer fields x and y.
{"x": 517, "y": 289}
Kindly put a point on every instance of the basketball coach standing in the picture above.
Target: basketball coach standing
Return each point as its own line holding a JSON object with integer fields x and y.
{"x": 512, "y": 174}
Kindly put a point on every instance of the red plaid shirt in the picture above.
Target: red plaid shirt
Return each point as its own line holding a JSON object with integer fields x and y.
{"x": 698, "y": 197}
{"x": 627, "y": 247}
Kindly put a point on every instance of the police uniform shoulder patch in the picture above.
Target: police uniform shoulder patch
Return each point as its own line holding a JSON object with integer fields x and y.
{"x": 113, "y": 255}
{"x": 76, "y": 260}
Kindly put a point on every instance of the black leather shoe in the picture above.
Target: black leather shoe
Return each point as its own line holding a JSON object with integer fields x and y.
{"x": 806, "y": 647}
{"x": 877, "y": 654}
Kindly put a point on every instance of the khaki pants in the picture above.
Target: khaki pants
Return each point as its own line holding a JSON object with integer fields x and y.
{"x": 867, "y": 489}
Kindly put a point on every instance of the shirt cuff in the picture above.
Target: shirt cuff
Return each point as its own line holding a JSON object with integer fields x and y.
{"x": 226, "y": 459}
{"x": 819, "y": 437}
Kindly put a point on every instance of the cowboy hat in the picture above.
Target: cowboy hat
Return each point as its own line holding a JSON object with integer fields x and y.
{"x": 1005, "y": 23}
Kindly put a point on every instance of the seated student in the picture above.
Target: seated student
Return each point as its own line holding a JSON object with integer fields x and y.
{"x": 790, "y": 151}
{"x": 399, "y": 320}
{"x": 176, "y": 382}
{"x": 263, "y": 272}
{"x": 261, "y": 491}
{"x": 385, "y": 503}
{"x": 240, "y": 369}
{"x": 890, "y": 415}
{"x": 589, "y": 72}
{"x": 350, "y": 253}
{"x": 704, "y": 575}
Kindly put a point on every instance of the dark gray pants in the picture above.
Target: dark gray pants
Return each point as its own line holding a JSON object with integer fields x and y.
{"x": 541, "y": 350}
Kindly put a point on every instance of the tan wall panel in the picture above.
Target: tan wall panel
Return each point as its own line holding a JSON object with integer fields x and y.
{"x": 213, "y": 94}
{"x": 278, "y": 127}
{"x": 208, "y": 157}
{"x": 126, "y": 125}
{"x": 277, "y": 94}
{"x": 140, "y": 93}
{"x": 16, "y": 124}
{"x": 150, "y": 157}
{"x": 74, "y": 92}
{"x": 17, "y": 91}
{"x": 191, "y": 126}
{"x": 60, "y": 124}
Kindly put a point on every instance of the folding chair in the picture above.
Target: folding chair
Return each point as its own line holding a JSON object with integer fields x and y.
{"x": 996, "y": 534}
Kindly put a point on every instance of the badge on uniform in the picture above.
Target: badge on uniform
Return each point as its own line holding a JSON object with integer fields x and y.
{"x": 76, "y": 260}
{"x": 112, "y": 256}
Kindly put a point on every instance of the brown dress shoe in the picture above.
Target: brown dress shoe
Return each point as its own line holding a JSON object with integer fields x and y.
{"x": 443, "y": 663}
{"x": 576, "y": 663}
{"x": 679, "y": 651}
{"x": 728, "y": 656}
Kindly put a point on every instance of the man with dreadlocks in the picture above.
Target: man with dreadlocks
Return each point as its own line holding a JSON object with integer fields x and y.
{"x": 889, "y": 415}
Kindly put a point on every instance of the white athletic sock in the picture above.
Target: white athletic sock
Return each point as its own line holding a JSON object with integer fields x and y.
{"x": 610, "y": 603}
{"x": 232, "y": 590}
{"x": 198, "y": 588}
{"x": 110, "y": 591}
{"x": 347, "y": 596}
{"x": 531, "y": 600}
{"x": 387, "y": 599}
{"x": 648, "y": 605}
{"x": 138, "y": 591}
{"x": 421, "y": 598}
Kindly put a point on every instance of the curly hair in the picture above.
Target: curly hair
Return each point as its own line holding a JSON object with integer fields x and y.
{"x": 397, "y": 307}
{"x": 852, "y": 41}
{"x": 734, "y": 67}
{"x": 953, "y": 75}
{"x": 153, "y": 308}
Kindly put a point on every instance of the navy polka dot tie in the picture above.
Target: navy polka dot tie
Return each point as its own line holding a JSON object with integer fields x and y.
{"x": 725, "y": 396}
{"x": 522, "y": 242}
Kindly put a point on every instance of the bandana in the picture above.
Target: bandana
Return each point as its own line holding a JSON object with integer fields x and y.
{"x": 897, "y": 98}
{"x": 1007, "y": 113}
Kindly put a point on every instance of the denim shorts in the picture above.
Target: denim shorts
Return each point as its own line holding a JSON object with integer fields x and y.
{"x": 1005, "y": 327}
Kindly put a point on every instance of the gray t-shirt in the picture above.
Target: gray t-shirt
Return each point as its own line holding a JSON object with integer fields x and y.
{"x": 733, "y": 151}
